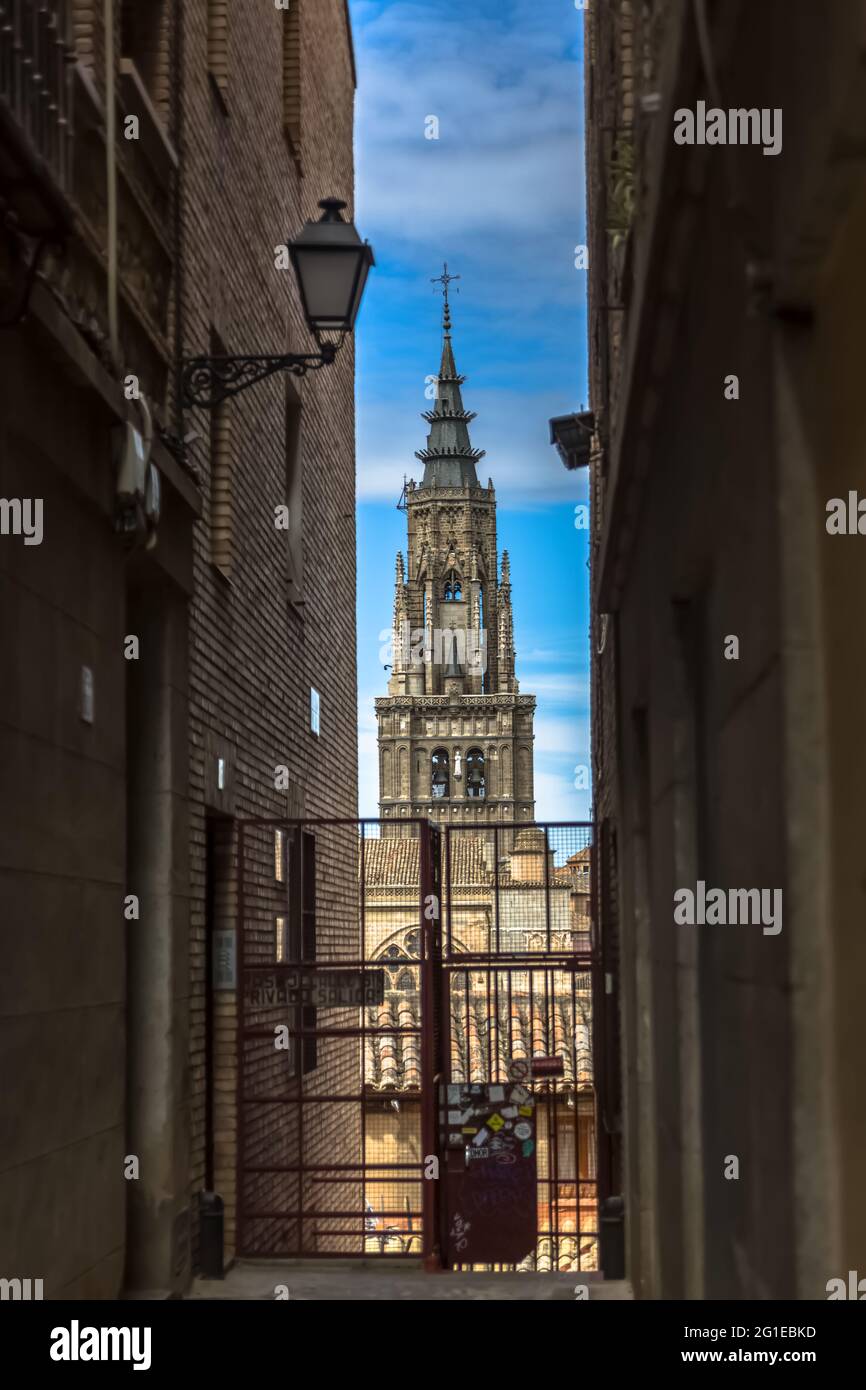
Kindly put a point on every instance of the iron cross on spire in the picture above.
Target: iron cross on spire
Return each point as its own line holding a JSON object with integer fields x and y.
{"x": 445, "y": 280}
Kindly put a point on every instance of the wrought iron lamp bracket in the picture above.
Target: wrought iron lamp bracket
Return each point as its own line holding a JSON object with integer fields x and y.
{"x": 209, "y": 380}
{"x": 28, "y": 265}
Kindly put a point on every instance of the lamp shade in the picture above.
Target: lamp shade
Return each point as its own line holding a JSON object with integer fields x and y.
{"x": 331, "y": 263}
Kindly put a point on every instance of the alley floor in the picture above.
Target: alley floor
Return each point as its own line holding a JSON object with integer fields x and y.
{"x": 352, "y": 1281}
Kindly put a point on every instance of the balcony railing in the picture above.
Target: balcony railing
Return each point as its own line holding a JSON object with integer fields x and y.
{"x": 36, "y": 96}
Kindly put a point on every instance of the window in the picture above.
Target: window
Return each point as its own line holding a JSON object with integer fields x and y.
{"x": 453, "y": 591}
{"x": 476, "y": 783}
{"x": 281, "y": 941}
{"x": 294, "y": 496}
{"x": 315, "y": 710}
{"x": 308, "y": 944}
{"x": 292, "y": 77}
{"x": 217, "y": 43}
{"x": 144, "y": 40}
{"x": 299, "y": 940}
{"x": 440, "y": 782}
{"x": 221, "y": 470}
{"x": 280, "y": 856}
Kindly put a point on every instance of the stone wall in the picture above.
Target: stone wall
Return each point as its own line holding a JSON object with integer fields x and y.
{"x": 709, "y": 524}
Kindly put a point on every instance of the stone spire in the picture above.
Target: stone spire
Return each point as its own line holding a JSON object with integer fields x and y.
{"x": 401, "y": 617}
{"x": 507, "y": 681}
{"x": 449, "y": 458}
{"x": 455, "y": 734}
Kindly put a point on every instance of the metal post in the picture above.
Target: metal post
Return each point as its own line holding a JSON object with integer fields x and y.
{"x": 430, "y": 1064}
{"x": 239, "y": 1046}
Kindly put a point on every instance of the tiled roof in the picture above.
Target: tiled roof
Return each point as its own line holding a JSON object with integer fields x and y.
{"x": 523, "y": 1027}
{"x": 393, "y": 1059}
{"x": 393, "y": 861}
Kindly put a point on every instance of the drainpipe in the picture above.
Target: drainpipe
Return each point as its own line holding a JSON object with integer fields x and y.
{"x": 178, "y": 137}
{"x": 111, "y": 180}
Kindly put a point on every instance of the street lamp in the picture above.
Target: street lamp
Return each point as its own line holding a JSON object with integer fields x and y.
{"x": 572, "y": 435}
{"x": 331, "y": 264}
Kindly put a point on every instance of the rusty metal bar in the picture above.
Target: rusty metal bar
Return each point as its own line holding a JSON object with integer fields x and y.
{"x": 430, "y": 892}
{"x": 547, "y": 889}
{"x": 240, "y": 1057}
{"x": 327, "y": 1215}
{"x": 362, "y": 884}
{"x": 339, "y": 1168}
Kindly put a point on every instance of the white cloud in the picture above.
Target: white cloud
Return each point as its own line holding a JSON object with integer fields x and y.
{"x": 564, "y": 737}
{"x": 556, "y": 798}
{"x": 526, "y": 470}
{"x": 502, "y": 191}
{"x": 565, "y": 653}
{"x": 571, "y": 688}
{"x": 510, "y": 123}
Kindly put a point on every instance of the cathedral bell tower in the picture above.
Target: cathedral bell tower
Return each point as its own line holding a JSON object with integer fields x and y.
{"x": 455, "y": 735}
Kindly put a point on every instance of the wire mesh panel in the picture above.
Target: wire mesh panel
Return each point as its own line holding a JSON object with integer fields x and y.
{"x": 367, "y": 976}
{"x": 333, "y": 958}
{"x": 398, "y": 875}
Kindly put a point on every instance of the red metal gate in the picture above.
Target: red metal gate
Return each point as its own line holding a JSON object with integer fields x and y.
{"x": 335, "y": 996}
{"x": 378, "y": 964}
{"x": 519, "y": 965}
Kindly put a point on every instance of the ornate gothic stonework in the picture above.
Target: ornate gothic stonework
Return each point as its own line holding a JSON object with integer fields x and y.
{"x": 455, "y": 736}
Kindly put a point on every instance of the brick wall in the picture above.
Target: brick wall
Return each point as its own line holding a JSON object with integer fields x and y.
{"x": 254, "y": 656}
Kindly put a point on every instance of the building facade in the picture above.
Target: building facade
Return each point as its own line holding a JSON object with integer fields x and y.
{"x": 725, "y": 289}
{"x": 455, "y": 735}
{"x": 270, "y": 107}
{"x": 94, "y": 611}
{"x": 179, "y": 662}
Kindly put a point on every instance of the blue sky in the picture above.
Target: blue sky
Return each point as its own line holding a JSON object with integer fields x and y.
{"x": 500, "y": 196}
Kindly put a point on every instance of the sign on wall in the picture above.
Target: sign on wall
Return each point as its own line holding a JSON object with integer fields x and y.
{"x": 312, "y": 987}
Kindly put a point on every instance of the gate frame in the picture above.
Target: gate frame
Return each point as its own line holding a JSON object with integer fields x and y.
{"x": 429, "y": 878}
{"x": 588, "y": 963}
{"x": 435, "y": 963}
